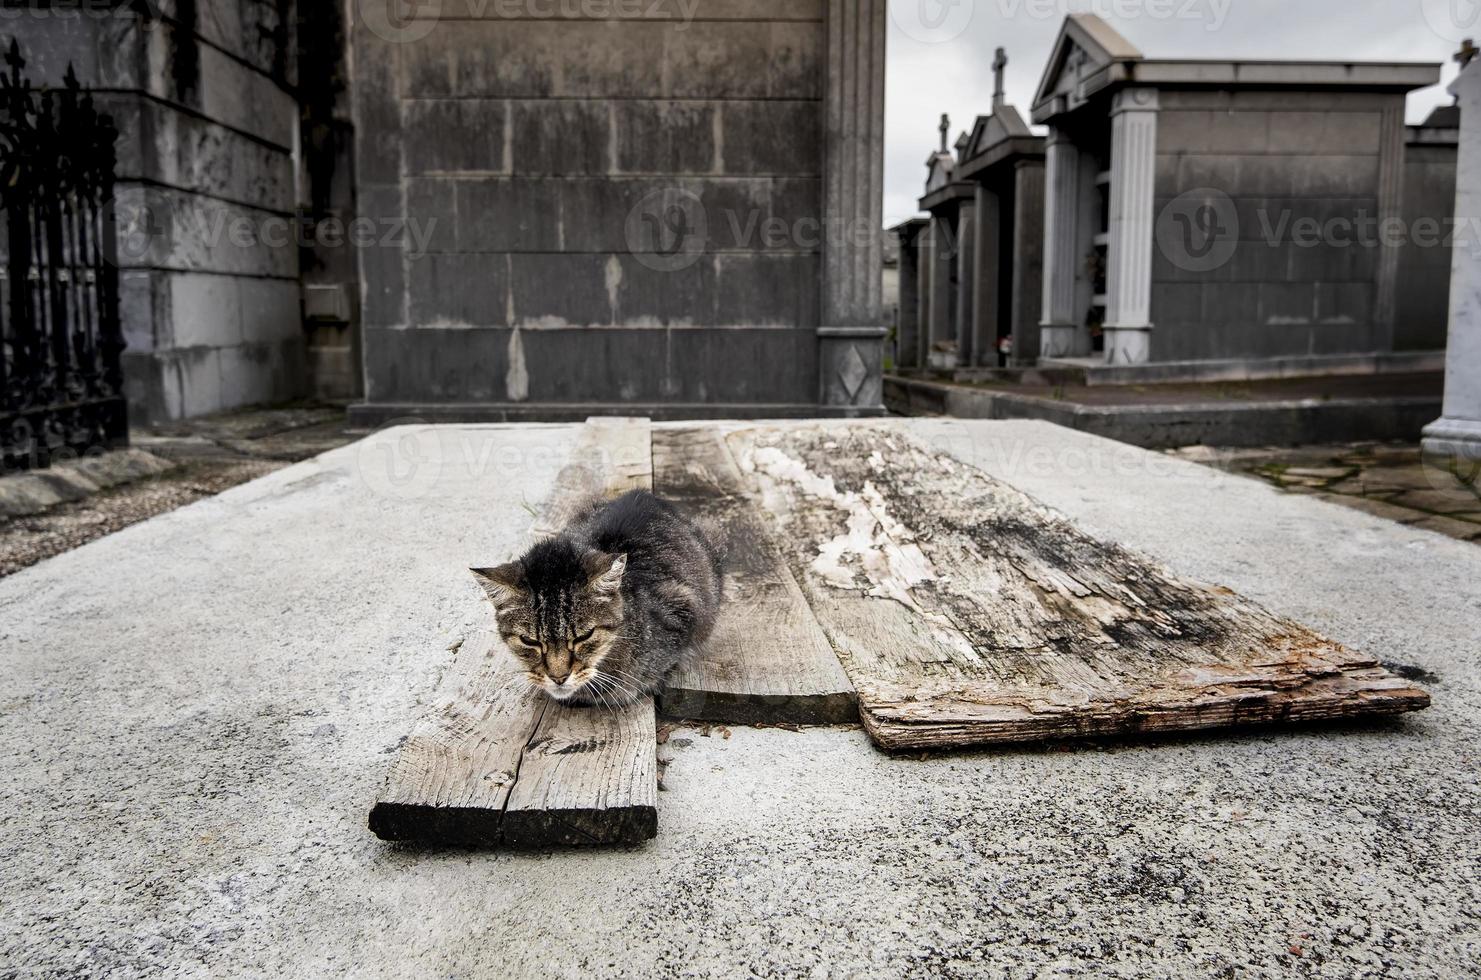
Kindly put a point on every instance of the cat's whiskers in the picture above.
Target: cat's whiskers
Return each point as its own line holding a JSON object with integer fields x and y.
{"x": 629, "y": 693}
{"x": 596, "y": 691}
{"x": 607, "y": 690}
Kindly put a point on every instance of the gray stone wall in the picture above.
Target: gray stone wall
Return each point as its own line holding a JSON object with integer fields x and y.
{"x": 597, "y": 211}
{"x": 1275, "y": 165}
{"x": 1424, "y": 262}
{"x": 205, "y": 195}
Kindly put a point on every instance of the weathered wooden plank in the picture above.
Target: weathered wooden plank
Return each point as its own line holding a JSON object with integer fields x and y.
{"x": 966, "y": 613}
{"x": 588, "y": 776}
{"x": 498, "y": 763}
{"x": 450, "y": 782}
{"x": 768, "y": 660}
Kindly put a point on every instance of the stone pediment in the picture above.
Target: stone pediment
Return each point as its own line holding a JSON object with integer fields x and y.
{"x": 1086, "y": 45}
{"x": 1005, "y": 123}
{"x": 940, "y": 167}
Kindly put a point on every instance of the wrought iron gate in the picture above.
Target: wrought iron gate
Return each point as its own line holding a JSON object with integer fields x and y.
{"x": 61, "y": 381}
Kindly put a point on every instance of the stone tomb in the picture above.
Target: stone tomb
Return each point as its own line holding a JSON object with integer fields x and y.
{"x": 1005, "y": 163}
{"x": 632, "y": 213}
{"x": 1178, "y": 192}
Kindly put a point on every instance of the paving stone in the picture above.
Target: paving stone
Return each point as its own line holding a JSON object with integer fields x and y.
{"x": 1464, "y": 530}
{"x": 1457, "y": 501}
{"x": 1401, "y": 478}
{"x": 1324, "y": 473}
{"x": 1378, "y": 508}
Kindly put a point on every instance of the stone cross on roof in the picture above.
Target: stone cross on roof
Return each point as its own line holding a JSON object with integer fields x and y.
{"x": 999, "y": 63}
{"x": 945, "y": 130}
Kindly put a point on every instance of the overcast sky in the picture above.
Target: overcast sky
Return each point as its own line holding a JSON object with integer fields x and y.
{"x": 940, "y": 53}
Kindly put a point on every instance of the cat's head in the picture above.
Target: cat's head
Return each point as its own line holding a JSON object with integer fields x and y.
{"x": 559, "y": 610}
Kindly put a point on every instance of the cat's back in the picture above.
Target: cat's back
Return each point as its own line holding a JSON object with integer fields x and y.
{"x": 654, "y": 534}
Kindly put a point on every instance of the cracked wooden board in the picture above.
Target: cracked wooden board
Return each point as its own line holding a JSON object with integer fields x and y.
{"x": 768, "y": 661}
{"x": 496, "y": 763}
{"x": 966, "y": 613}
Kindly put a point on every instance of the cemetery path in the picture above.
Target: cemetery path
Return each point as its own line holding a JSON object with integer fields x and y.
{"x": 200, "y": 708}
{"x": 207, "y": 455}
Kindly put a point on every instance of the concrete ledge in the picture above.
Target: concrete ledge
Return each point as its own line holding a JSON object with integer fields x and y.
{"x": 24, "y": 494}
{"x": 373, "y": 415}
{"x": 1248, "y": 368}
{"x": 1273, "y": 423}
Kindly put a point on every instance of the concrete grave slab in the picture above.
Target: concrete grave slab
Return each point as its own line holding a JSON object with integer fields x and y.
{"x": 198, "y": 710}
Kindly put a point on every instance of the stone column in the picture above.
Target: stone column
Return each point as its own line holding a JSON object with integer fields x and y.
{"x": 966, "y": 277}
{"x": 1457, "y": 434}
{"x": 943, "y": 247}
{"x": 1027, "y": 287}
{"x": 1128, "y": 323}
{"x": 907, "y": 323}
{"x": 1059, "y": 326}
{"x": 987, "y": 293}
{"x": 922, "y": 294}
{"x": 851, "y": 338}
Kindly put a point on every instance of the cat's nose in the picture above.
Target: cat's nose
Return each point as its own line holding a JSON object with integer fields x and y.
{"x": 558, "y": 677}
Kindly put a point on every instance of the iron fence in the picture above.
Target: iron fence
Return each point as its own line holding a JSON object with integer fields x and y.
{"x": 61, "y": 380}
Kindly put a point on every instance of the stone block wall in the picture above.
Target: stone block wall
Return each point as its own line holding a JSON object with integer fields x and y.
{"x": 1423, "y": 316}
{"x": 587, "y": 211}
{"x": 1274, "y": 166}
{"x": 205, "y": 195}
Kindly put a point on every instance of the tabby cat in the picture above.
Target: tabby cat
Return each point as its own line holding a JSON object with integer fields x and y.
{"x": 601, "y": 613}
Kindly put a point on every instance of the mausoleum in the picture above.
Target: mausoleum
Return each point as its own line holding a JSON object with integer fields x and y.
{"x": 976, "y": 260}
{"x": 488, "y": 210}
{"x": 1205, "y": 210}
{"x": 672, "y": 214}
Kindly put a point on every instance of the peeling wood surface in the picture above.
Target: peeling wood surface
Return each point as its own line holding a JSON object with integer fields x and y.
{"x": 497, "y": 763}
{"x": 768, "y": 660}
{"x": 966, "y": 613}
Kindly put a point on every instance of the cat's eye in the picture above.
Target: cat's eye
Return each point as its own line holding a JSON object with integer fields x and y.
{"x": 586, "y": 636}
{"x": 528, "y": 641}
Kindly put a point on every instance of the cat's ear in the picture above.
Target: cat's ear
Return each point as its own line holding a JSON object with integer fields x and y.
{"x": 503, "y": 583}
{"x": 606, "y": 572}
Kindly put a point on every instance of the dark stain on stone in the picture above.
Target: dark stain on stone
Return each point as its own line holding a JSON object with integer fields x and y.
{"x": 1412, "y": 673}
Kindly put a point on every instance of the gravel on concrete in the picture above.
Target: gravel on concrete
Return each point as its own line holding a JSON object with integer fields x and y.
{"x": 46, "y": 512}
{"x": 199, "y": 709}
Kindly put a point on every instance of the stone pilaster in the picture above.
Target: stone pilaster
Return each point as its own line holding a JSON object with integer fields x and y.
{"x": 942, "y": 249}
{"x": 1059, "y": 326}
{"x": 851, "y": 338}
{"x": 1457, "y": 434}
{"x": 907, "y": 323}
{"x": 1128, "y": 323}
{"x": 1027, "y": 287}
{"x": 923, "y": 260}
{"x": 966, "y": 277}
{"x": 1390, "y": 206}
{"x": 989, "y": 291}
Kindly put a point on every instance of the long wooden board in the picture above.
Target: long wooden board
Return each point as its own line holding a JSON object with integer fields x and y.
{"x": 497, "y": 763}
{"x": 966, "y": 613}
{"x": 768, "y": 660}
